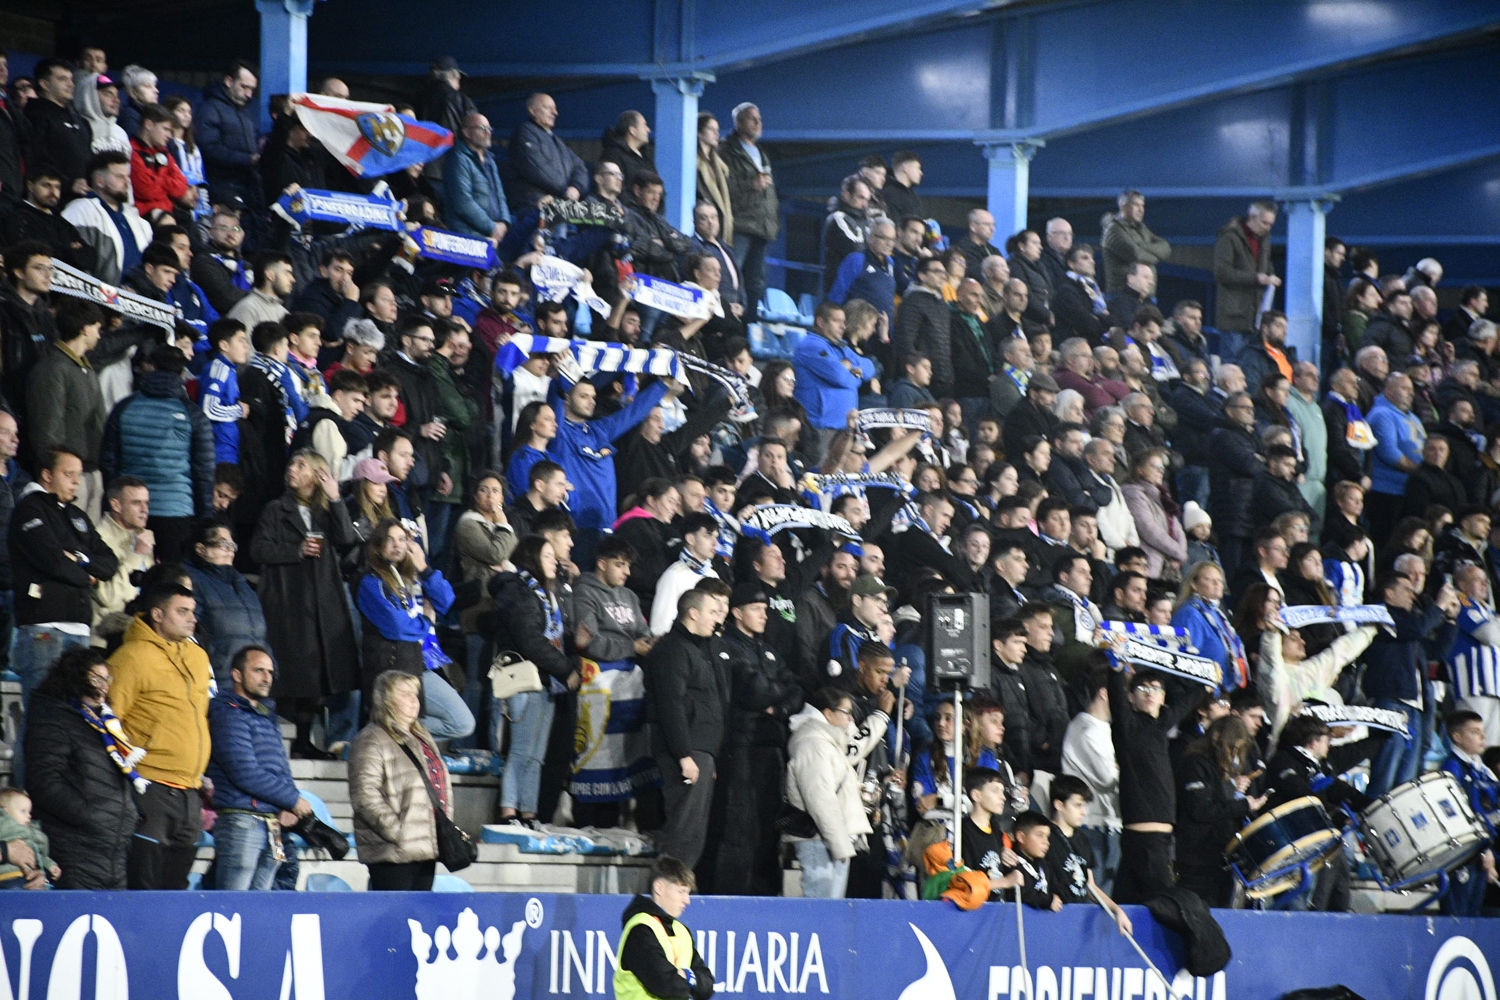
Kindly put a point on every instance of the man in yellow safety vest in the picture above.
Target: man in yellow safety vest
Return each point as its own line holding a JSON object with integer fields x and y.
{"x": 656, "y": 957}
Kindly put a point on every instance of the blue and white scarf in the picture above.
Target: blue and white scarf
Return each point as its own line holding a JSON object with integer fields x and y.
{"x": 729, "y": 529}
{"x": 553, "y": 631}
{"x": 1239, "y": 664}
{"x": 1022, "y": 379}
{"x": 1163, "y": 634}
{"x": 1096, "y": 294}
{"x": 288, "y": 392}
{"x": 700, "y": 567}
{"x": 770, "y": 519}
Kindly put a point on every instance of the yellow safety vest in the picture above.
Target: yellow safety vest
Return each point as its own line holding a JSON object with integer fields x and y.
{"x": 678, "y": 948}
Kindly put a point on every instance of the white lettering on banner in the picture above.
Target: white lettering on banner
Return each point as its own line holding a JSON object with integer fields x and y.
{"x": 1198, "y": 668}
{"x": 935, "y": 983}
{"x": 1359, "y": 715}
{"x": 302, "y": 971}
{"x": 784, "y": 969}
{"x": 1011, "y": 982}
{"x": 1459, "y": 971}
{"x": 194, "y": 979}
{"x": 26, "y": 930}
{"x": 670, "y": 297}
{"x": 469, "y": 976}
{"x": 110, "y": 979}
{"x": 468, "y": 246}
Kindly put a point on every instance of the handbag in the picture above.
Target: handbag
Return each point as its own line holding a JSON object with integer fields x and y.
{"x": 455, "y": 849}
{"x": 794, "y": 822}
{"x": 510, "y": 675}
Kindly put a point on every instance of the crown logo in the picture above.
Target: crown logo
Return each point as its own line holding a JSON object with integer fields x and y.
{"x": 467, "y": 964}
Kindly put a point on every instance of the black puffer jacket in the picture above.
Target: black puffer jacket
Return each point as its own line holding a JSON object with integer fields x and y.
{"x": 655, "y": 245}
{"x": 1231, "y": 478}
{"x": 923, "y": 323}
{"x": 760, "y": 680}
{"x": 519, "y": 626}
{"x": 83, "y": 801}
{"x": 1049, "y": 710}
{"x": 420, "y": 395}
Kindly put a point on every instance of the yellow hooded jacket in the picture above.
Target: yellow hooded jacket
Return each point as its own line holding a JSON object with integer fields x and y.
{"x": 160, "y": 693}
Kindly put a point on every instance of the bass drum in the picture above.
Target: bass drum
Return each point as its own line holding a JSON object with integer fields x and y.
{"x": 1421, "y": 828}
{"x": 1281, "y": 841}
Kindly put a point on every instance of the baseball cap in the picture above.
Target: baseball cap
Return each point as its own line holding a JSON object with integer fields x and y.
{"x": 438, "y": 286}
{"x": 868, "y": 585}
{"x": 446, "y": 64}
{"x": 374, "y": 470}
{"x": 746, "y": 593}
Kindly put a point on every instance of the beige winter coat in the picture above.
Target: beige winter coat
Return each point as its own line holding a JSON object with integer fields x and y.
{"x": 822, "y": 782}
{"x": 393, "y": 821}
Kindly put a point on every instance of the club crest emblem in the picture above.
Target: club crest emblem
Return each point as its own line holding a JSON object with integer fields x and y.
{"x": 382, "y": 130}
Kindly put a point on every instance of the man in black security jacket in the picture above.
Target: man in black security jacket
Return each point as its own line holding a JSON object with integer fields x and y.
{"x": 1141, "y": 716}
{"x": 415, "y": 342}
{"x": 56, "y": 559}
{"x": 686, "y": 697}
{"x": 743, "y": 858}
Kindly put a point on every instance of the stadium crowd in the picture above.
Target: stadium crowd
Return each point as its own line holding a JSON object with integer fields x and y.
{"x": 318, "y": 499}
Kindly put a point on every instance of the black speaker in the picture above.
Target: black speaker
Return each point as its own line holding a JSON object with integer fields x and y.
{"x": 958, "y": 641}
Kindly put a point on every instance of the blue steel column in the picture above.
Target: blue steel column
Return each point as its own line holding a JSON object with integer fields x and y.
{"x": 676, "y": 133}
{"x": 1306, "y": 226}
{"x": 283, "y": 50}
{"x": 1009, "y": 184}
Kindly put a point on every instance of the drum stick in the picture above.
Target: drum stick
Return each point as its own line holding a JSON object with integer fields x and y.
{"x": 1021, "y": 933}
{"x": 1171, "y": 992}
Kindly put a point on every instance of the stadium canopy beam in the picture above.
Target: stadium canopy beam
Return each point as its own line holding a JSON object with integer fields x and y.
{"x": 1305, "y": 230}
{"x": 283, "y": 50}
{"x": 1008, "y": 190}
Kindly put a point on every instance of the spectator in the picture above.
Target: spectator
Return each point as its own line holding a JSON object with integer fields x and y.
{"x": 60, "y": 139}
{"x": 700, "y": 536}
{"x": 1117, "y": 527}
{"x": 1078, "y": 301}
{"x": 1128, "y": 241}
{"x": 65, "y": 406}
{"x": 459, "y": 413}
{"x": 155, "y": 178}
{"x": 473, "y": 198}
{"x": 924, "y": 324}
{"x": 254, "y": 792}
{"x": 230, "y": 618}
{"x": 229, "y": 347}
{"x": 847, "y": 225}
{"x": 1213, "y": 779}
{"x": 1466, "y": 734}
{"x": 655, "y": 245}
{"x": 123, "y": 529}
{"x": 1275, "y": 492}
{"x": 97, "y": 98}
{"x": 531, "y": 622}
{"x": 543, "y": 164}
{"x": 36, "y": 219}
{"x": 752, "y": 195}
{"x": 1302, "y": 403}
{"x": 229, "y": 135}
{"x": 14, "y": 483}
{"x": 1431, "y": 483}
{"x": 1270, "y": 354}
{"x": 708, "y": 239}
{"x": 1474, "y": 659}
{"x": 1026, "y": 266}
{"x": 399, "y": 598}
{"x": 975, "y": 245}
{"x": 159, "y": 436}
{"x": 869, "y": 274}
{"x": 395, "y": 774}
{"x": 823, "y": 784}
{"x": 1155, "y": 515}
{"x": 1080, "y": 372}
{"x": 901, "y": 200}
{"x": 687, "y": 700}
{"x": 139, "y": 91}
{"x": 1399, "y": 442}
{"x": 266, "y": 303}
{"x": 1395, "y": 676}
{"x": 1235, "y": 462}
{"x": 79, "y": 779}
{"x": 161, "y": 692}
{"x": 297, "y": 544}
{"x": 420, "y": 396}
{"x": 105, "y": 219}
{"x": 13, "y": 135}
{"x": 334, "y": 297}
{"x": 219, "y": 269}
{"x": 1139, "y": 291}
{"x": 1242, "y": 267}
{"x": 1392, "y": 329}
{"x": 1088, "y": 753}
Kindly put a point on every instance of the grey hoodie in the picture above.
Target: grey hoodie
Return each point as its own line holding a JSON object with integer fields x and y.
{"x": 613, "y": 617}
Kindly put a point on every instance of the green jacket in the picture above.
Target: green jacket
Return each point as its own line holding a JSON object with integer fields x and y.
{"x": 462, "y": 413}
{"x": 1127, "y": 243}
{"x": 32, "y": 835}
{"x": 756, "y": 212}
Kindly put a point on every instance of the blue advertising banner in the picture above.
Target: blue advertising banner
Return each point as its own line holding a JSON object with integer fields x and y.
{"x": 435, "y": 946}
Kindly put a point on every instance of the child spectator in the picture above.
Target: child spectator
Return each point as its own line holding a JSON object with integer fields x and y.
{"x": 1033, "y": 838}
{"x": 1069, "y": 853}
{"x": 986, "y": 848}
{"x": 1344, "y": 566}
{"x": 1466, "y": 733}
{"x": 230, "y": 347}
{"x": 16, "y": 824}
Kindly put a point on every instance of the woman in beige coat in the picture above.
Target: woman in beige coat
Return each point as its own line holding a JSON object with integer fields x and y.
{"x": 395, "y": 830}
{"x": 713, "y": 175}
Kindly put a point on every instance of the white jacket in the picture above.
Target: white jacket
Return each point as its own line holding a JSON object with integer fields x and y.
{"x": 93, "y": 223}
{"x": 1283, "y": 686}
{"x": 1088, "y": 752}
{"x": 821, "y": 781}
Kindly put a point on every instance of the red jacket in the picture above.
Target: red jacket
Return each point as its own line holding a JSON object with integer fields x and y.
{"x": 155, "y": 178}
{"x": 1096, "y": 391}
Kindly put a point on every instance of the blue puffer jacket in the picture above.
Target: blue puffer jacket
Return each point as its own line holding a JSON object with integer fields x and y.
{"x": 229, "y": 614}
{"x": 249, "y": 767}
{"x": 473, "y": 200}
{"x": 157, "y": 434}
{"x": 229, "y": 138}
{"x": 825, "y": 388}
{"x": 1397, "y": 435}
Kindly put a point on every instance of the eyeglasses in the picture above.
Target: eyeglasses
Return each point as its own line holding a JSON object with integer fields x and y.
{"x": 226, "y": 544}
{"x": 101, "y": 678}
{"x": 1152, "y": 689}
{"x": 227, "y": 229}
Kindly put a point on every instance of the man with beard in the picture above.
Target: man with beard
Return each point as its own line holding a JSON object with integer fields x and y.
{"x": 37, "y": 218}
{"x": 743, "y": 856}
{"x": 817, "y": 613}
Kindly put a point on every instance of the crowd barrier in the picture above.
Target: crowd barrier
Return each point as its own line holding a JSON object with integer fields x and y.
{"x": 309, "y": 946}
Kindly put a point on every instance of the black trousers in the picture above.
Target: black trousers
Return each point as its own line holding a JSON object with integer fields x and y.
{"x": 1145, "y": 866}
{"x": 687, "y": 806}
{"x": 166, "y": 838}
{"x": 406, "y": 876}
{"x": 743, "y": 856}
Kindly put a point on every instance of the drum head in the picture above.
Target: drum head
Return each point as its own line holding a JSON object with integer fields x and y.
{"x": 1421, "y": 828}
{"x": 1294, "y": 833}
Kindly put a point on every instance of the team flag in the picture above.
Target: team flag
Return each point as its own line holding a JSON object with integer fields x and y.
{"x": 372, "y": 140}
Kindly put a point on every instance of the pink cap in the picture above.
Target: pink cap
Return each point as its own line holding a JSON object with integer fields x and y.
{"x": 374, "y": 470}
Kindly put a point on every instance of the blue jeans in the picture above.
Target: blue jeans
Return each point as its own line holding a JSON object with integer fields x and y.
{"x": 440, "y": 524}
{"x": 822, "y": 876}
{"x": 447, "y": 718}
{"x": 33, "y": 650}
{"x": 1400, "y": 760}
{"x": 750, "y": 258}
{"x": 343, "y": 717}
{"x": 1106, "y": 847}
{"x": 243, "y": 855}
{"x": 475, "y": 681}
{"x": 1192, "y": 484}
{"x": 530, "y": 717}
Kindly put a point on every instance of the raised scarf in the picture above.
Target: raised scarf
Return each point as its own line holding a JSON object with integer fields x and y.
{"x": 116, "y": 743}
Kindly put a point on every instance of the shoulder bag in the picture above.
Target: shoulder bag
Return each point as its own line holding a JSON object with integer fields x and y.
{"x": 510, "y": 675}
{"x": 455, "y": 849}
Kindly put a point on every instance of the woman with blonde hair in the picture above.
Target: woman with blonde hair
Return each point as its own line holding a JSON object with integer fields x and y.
{"x": 400, "y": 597}
{"x": 1198, "y": 610}
{"x": 308, "y": 623}
{"x": 392, "y": 763}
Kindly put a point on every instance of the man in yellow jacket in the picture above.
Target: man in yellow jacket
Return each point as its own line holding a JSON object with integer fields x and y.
{"x": 656, "y": 957}
{"x": 160, "y": 693}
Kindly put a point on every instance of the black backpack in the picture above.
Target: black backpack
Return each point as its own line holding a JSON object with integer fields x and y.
{"x": 1205, "y": 950}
